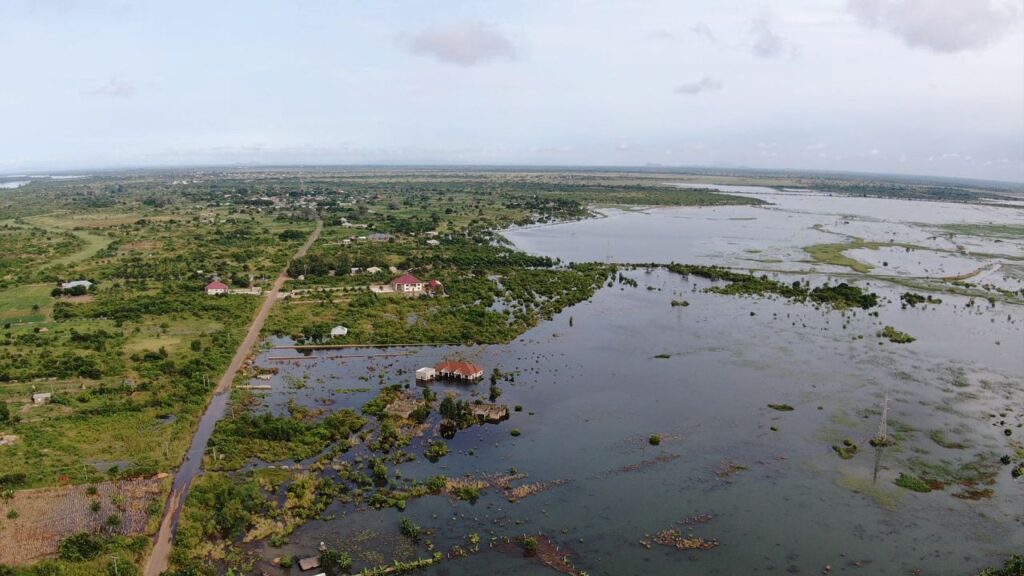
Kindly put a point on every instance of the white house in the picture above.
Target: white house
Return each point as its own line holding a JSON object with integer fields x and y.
{"x": 216, "y": 287}
{"x": 433, "y": 242}
{"x": 426, "y": 374}
{"x": 373, "y": 270}
{"x": 41, "y": 397}
{"x": 75, "y": 283}
{"x": 339, "y": 331}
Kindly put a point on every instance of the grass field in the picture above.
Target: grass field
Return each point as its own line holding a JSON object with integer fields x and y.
{"x": 16, "y": 303}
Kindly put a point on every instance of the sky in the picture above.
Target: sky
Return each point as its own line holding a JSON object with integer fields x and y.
{"x": 931, "y": 87}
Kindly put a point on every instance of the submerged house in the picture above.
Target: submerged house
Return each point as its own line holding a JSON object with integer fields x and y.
{"x": 459, "y": 370}
{"x": 426, "y": 374}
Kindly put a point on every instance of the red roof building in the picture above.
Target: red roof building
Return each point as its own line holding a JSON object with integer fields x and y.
{"x": 407, "y": 283}
{"x": 217, "y": 287}
{"x": 459, "y": 369}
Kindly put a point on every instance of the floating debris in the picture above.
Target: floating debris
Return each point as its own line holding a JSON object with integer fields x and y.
{"x": 675, "y": 539}
{"x": 729, "y": 468}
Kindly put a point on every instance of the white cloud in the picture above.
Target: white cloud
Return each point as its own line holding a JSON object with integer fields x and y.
{"x": 114, "y": 88}
{"x": 765, "y": 42}
{"x": 463, "y": 44}
{"x": 942, "y": 26}
{"x": 705, "y": 84}
{"x": 703, "y": 30}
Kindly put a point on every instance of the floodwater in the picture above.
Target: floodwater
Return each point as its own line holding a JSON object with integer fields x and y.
{"x": 601, "y": 377}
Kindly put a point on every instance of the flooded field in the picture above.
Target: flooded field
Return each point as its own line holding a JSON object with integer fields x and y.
{"x": 763, "y": 409}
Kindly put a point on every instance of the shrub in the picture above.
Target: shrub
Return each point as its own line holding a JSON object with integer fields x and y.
{"x": 654, "y": 440}
{"x": 81, "y": 547}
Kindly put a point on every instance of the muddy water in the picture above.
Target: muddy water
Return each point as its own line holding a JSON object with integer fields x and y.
{"x": 596, "y": 390}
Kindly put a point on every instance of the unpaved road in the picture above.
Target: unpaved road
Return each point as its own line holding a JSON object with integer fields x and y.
{"x": 158, "y": 558}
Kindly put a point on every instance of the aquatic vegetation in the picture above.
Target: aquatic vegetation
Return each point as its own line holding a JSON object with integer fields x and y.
{"x": 846, "y": 450}
{"x": 939, "y": 437}
{"x": 729, "y": 468}
{"x": 515, "y": 432}
{"x": 680, "y": 303}
{"x": 273, "y": 438}
{"x": 1014, "y": 566}
{"x": 894, "y": 335}
{"x": 843, "y": 295}
{"x": 982, "y": 469}
{"x": 410, "y": 530}
{"x": 912, "y": 299}
{"x": 781, "y": 407}
{"x": 911, "y": 482}
{"x": 519, "y": 492}
{"x": 833, "y": 254}
{"x": 654, "y": 440}
{"x": 436, "y": 450}
{"x": 888, "y": 499}
{"x": 840, "y": 297}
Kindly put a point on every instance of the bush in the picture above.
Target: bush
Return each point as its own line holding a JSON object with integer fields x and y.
{"x": 81, "y": 547}
{"x": 410, "y": 530}
{"x": 654, "y": 440}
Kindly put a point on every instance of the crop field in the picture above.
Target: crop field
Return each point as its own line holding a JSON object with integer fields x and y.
{"x": 45, "y": 516}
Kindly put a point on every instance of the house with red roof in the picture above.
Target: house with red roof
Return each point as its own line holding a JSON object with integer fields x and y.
{"x": 217, "y": 287}
{"x": 407, "y": 283}
{"x": 459, "y": 370}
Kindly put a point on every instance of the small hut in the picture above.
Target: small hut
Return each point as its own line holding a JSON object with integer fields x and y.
{"x": 426, "y": 374}
{"x": 339, "y": 331}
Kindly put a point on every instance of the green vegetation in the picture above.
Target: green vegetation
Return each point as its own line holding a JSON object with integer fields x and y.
{"x": 833, "y": 254}
{"x": 840, "y": 296}
{"x": 410, "y": 530}
{"x": 912, "y": 299}
{"x": 846, "y": 450}
{"x": 654, "y": 440}
{"x": 894, "y": 335}
{"x": 940, "y": 438}
{"x": 436, "y": 450}
{"x": 781, "y": 407}
{"x": 1014, "y": 566}
{"x": 1011, "y": 231}
{"x": 911, "y": 482}
{"x": 274, "y": 439}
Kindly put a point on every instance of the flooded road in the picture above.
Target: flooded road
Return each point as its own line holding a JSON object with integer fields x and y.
{"x": 158, "y": 558}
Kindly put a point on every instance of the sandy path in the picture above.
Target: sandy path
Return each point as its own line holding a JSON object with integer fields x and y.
{"x": 158, "y": 558}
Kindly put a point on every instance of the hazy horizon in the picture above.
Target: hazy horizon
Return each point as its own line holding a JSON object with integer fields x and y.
{"x": 914, "y": 87}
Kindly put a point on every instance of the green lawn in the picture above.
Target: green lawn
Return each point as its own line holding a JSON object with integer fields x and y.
{"x": 16, "y": 303}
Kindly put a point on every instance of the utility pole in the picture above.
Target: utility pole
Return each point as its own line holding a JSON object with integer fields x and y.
{"x": 885, "y": 415}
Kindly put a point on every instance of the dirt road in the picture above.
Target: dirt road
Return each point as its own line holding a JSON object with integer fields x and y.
{"x": 158, "y": 558}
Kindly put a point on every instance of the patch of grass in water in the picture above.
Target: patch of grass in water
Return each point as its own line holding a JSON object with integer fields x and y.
{"x": 911, "y": 482}
{"x": 833, "y": 254}
{"x": 940, "y": 438}
{"x": 846, "y": 450}
{"x": 895, "y": 336}
{"x": 981, "y": 470}
{"x": 781, "y": 407}
{"x": 885, "y": 498}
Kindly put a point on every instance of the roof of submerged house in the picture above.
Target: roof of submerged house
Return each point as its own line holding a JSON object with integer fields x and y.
{"x": 458, "y": 367}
